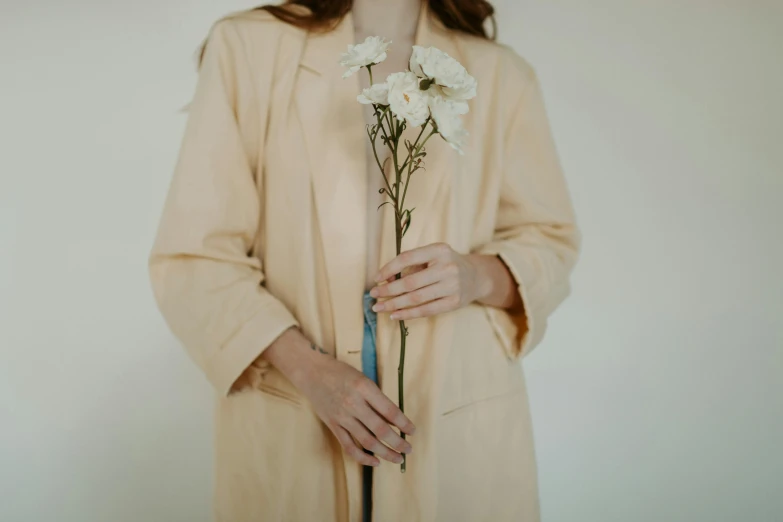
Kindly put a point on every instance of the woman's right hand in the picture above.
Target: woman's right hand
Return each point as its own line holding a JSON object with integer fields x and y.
{"x": 350, "y": 404}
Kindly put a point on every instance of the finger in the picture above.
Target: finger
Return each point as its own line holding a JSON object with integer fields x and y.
{"x": 407, "y": 283}
{"x": 383, "y": 432}
{"x": 415, "y": 298}
{"x": 410, "y": 270}
{"x": 417, "y": 256}
{"x": 352, "y": 449}
{"x": 439, "y": 306}
{"x": 389, "y": 411}
{"x": 370, "y": 442}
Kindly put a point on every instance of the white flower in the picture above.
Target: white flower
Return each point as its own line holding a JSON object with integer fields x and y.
{"x": 451, "y": 78}
{"x": 406, "y": 100}
{"x": 377, "y": 94}
{"x": 446, "y": 115}
{"x": 369, "y": 52}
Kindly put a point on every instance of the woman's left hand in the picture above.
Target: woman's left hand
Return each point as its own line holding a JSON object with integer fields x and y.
{"x": 435, "y": 279}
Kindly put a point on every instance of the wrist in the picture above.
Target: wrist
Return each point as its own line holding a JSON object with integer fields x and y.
{"x": 291, "y": 354}
{"x": 482, "y": 278}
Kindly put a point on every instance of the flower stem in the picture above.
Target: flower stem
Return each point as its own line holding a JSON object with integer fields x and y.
{"x": 378, "y": 161}
{"x": 401, "y": 367}
{"x": 391, "y": 138}
{"x": 398, "y": 212}
{"x": 409, "y": 161}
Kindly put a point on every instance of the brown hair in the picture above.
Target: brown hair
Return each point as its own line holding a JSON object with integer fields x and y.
{"x": 465, "y": 16}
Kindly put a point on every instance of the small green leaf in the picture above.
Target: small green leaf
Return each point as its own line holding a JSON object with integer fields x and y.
{"x": 407, "y": 222}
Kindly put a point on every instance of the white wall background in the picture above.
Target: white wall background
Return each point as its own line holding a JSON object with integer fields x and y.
{"x": 658, "y": 394}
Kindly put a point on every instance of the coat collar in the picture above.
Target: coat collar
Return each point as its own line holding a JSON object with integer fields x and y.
{"x": 334, "y": 130}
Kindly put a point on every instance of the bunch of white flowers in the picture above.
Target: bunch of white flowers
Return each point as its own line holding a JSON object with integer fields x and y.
{"x": 435, "y": 90}
{"x": 432, "y": 94}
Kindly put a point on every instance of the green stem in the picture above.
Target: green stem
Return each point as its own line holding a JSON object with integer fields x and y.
{"x": 392, "y": 139}
{"x": 401, "y": 367}
{"x": 390, "y": 118}
{"x": 415, "y": 143}
{"x": 397, "y": 171}
{"x": 377, "y": 160}
{"x": 410, "y": 165}
{"x": 398, "y": 128}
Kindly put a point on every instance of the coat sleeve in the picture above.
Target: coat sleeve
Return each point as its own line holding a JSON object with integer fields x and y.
{"x": 208, "y": 284}
{"x": 535, "y": 232}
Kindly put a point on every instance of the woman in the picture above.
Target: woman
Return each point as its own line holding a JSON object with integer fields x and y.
{"x": 270, "y": 250}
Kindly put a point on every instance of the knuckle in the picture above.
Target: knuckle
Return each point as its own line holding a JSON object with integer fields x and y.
{"x": 360, "y": 386}
{"x": 363, "y": 388}
{"x": 349, "y": 402}
{"x": 451, "y": 268}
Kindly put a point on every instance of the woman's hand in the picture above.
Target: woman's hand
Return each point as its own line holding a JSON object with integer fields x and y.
{"x": 351, "y": 405}
{"x": 436, "y": 279}
{"x": 357, "y": 411}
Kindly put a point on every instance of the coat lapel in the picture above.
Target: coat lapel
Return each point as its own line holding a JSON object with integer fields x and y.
{"x": 333, "y": 128}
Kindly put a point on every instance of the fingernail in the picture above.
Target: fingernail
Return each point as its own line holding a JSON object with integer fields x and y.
{"x": 393, "y": 316}
{"x": 374, "y": 292}
{"x": 398, "y": 459}
{"x": 408, "y": 449}
{"x": 377, "y": 307}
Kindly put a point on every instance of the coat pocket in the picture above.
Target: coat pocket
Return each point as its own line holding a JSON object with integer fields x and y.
{"x": 279, "y": 394}
{"x": 479, "y": 402}
{"x": 477, "y": 368}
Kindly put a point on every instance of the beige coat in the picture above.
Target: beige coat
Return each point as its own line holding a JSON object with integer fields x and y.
{"x": 263, "y": 229}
